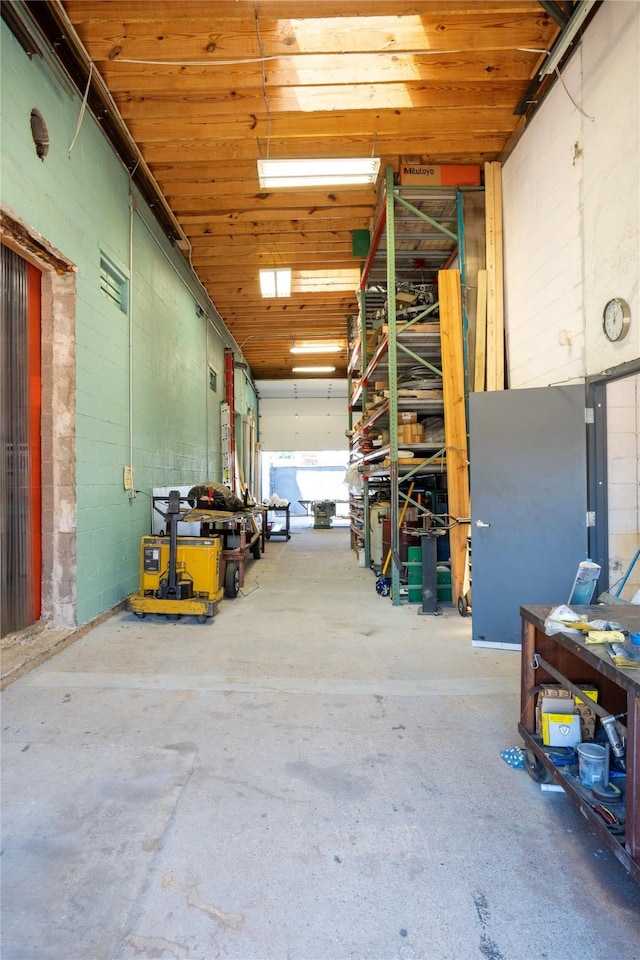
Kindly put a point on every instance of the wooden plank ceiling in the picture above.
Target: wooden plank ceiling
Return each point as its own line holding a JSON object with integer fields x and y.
{"x": 207, "y": 88}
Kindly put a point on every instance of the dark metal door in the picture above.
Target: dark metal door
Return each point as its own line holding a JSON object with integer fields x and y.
{"x": 20, "y": 456}
{"x": 528, "y": 504}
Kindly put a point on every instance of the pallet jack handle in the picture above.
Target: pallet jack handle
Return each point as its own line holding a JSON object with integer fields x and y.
{"x": 171, "y": 516}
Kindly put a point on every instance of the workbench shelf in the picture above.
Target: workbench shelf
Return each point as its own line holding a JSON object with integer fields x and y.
{"x": 618, "y": 693}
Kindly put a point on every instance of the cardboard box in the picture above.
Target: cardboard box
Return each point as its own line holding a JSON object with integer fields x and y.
{"x": 561, "y": 729}
{"x": 409, "y": 433}
{"x": 586, "y": 713}
{"x": 407, "y": 416}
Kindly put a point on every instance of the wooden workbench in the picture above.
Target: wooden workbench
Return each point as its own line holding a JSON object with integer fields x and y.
{"x": 619, "y": 692}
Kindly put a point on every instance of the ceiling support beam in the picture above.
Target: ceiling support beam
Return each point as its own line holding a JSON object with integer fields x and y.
{"x": 555, "y": 11}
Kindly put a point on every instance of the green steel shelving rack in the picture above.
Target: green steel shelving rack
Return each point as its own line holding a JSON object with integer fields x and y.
{"x": 433, "y": 241}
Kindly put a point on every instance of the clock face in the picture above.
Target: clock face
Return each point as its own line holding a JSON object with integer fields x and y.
{"x": 616, "y": 319}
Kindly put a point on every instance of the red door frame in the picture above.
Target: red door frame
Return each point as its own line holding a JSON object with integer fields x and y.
{"x": 34, "y": 322}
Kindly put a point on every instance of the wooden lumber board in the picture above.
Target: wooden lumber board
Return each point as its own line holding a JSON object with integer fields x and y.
{"x": 455, "y": 424}
{"x": 416, "y": 329}
{"x": 495, "y": 277}
{"x": 481, "y": 334}
{"x": 490, "y": 228}
{"x": 406, "y": 394}
{"x": 499, "y": 279}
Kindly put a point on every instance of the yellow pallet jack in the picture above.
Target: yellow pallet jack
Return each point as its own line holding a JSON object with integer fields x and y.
{"x": 179, "y": 576}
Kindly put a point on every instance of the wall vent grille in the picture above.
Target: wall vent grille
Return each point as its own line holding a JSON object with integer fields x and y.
{"x": 114, "y": 284}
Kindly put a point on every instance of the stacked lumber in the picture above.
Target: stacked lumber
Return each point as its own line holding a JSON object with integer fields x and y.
{"x": 490, "y": 370}
{"x": 455, "y": 423}
{"x": 406, "y": 393}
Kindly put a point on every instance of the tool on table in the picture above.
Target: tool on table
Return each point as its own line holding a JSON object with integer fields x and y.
{"x": 596, "y": 631}
{"x": 611, "y": 730}
{"x": 615, "y": 821}
{"x": 625, "y": 655}
{"x": 584, "y": 585}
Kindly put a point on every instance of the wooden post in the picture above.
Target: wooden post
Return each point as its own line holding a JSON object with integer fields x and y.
{"x": 495, "y": 272}
{"x": 499, "y": 268}
{"x": 455, "y": 423}
{"x": 481, "y": 334}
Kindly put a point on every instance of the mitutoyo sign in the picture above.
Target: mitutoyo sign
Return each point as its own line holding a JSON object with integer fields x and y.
{"x": 437, "y": 175}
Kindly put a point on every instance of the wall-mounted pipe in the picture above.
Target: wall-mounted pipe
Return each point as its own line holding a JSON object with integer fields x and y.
{"x": 132, "y": 211}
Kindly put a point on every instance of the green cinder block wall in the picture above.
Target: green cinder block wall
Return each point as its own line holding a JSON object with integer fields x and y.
{"x": 79, "y": 201}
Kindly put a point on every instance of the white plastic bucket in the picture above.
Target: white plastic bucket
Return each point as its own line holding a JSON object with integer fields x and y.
{"x": 592, "y": 763}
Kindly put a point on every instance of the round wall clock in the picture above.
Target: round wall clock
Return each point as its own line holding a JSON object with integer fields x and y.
{"x": 616, "y": 319}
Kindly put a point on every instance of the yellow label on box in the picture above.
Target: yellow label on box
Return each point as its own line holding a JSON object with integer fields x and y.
{"x": 560, "y": 729}
{"x": 592, "y": 695}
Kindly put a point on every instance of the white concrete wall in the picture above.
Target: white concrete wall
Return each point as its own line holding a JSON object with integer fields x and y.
{"x": 303, "y": 424}
{"x": 572, "y": 211}
{"x": 623, "y": 470}
{"x": 572, "y": 242}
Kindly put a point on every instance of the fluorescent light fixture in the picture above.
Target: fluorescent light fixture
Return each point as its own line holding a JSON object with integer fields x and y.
{"x": 275, "y": 283}
{"x": 318, "y": 348}
{"x": 318, "y": 173}
{"x": 313, "y": 369}
{"x": 566, "y": 35}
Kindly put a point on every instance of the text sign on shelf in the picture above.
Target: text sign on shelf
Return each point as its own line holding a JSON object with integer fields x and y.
{"x": 438, "y": 175}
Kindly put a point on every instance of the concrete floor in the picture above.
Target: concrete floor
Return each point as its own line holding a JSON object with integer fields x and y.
{"x": 314, "y": 775}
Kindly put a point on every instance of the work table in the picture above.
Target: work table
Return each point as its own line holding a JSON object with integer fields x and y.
{"x": 619, "y": 693}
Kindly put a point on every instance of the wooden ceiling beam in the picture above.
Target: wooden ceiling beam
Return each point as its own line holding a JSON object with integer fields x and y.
{"x": 390, "y": 96}
{"x": 305, "y": 262}
{"x": 309, "y": 325}
{"x": 317, "y": 213}
{"x": 183, "y": 171}
{"x": 247, "y": 289}
{"x": 327, "y": 310}
{"x": 252, "y": 248}
{"x": 431, "y": 145}
{"x": 310, "y": 328}
{"x": 321, "y": 124}
{"x": 247, "y": 334}
{"x": 488, "y": 66}
{"x": 247, "y": 193}
{"x": 248, "y": 338}
{"x": 216, "y": 40}
{"x": 222, "y": 267}
{"x": 326, "y": 314}
{"x": 262, "y": 231}
{"x": 289, "y": 238}
{"x": 142, "y": 11}
{"x": 270, "y": 202}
